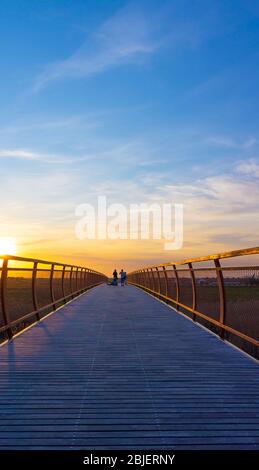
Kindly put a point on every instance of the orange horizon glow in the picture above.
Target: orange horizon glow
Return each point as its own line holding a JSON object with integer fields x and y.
{"x": 104, "y": 256}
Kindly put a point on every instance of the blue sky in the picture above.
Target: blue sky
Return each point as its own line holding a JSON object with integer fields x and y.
{"x": 141, "y": 101}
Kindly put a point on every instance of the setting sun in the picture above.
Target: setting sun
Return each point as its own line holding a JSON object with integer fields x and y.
{"x": 7, "y": 246}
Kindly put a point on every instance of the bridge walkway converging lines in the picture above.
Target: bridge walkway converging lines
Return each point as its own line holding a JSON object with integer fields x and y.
{"x": 116, "y": 368}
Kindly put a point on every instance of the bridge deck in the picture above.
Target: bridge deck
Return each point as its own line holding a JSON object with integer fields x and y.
{"x": 118, "y": 369}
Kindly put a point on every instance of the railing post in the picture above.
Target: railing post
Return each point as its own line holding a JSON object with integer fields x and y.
{"x": 87, "y": 278}
{"x": 79, "y": 279}
{"x": 3, "y": 297}
{"x": 34, "y": 292}
{"x": 153, "y": 279}
{"x": 166, "y": 281}
{"x": 71, "y": 281}
{"x": 143, "y": 277}
{"x": 51, "y": 286}
{"x": 222, "y": 296}
{"x": 85, "y": 272}
{"x": 63, "y": 282}
{"x": 148, "y": 277}
{"x": 177, "y": 286}
{"x": 159, "y": 281}
{"x": 194, "y": 290}
{"x": 76, "y": 279}
{"x": 82, "y": 279}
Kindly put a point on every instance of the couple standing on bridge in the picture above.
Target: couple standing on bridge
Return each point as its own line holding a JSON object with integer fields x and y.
{"x": 115, "y": 278}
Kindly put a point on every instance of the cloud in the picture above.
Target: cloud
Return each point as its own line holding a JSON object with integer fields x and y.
{"x": 24, "y": 154}
{"x": 250, "y": 143}
{"x": 130, "y": 153}
{"x": 19, "y": 153}
{"x": 251, "y": 168}
{"x": 125, "y": 36}
{"x": 228, "y": 142}
{"x": 220, "y": 211}
{"x": 130, "y": 35}
{"x": 48, "y": 124}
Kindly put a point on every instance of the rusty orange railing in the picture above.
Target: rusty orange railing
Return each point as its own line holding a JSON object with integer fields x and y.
{"x": 223, "y": 298}
{"x": 31, "y": 288}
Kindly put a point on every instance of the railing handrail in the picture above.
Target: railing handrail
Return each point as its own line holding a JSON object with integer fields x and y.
{"x": 40, "y": 261}
{"x": 224, "y": 255}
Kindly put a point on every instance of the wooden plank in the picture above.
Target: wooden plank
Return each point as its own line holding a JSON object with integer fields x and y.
{"x": 118, "y": 369}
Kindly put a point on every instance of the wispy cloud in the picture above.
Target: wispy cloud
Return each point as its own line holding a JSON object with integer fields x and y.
{"x": 48, "y": 124}
{"x": 19, "y": 153}
{"x": 250, "y": 168}
{"x": 24, "y": 154}
{"x": 127, "y": 35}
{"x": 130, "y": 153}
{"x": 47, "y": 157}
{"x": 229, "y": 142}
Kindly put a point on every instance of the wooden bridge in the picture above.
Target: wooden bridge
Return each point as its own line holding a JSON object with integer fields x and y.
{"x": 116, "y": 368}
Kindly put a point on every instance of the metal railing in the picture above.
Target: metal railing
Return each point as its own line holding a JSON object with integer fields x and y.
{"x": 224, "y": 299}
{"x": 31, "y": 288}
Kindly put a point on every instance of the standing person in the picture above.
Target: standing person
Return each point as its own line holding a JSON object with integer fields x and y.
{"x": 123, "y": 277}
{"x": 115, "y": 278}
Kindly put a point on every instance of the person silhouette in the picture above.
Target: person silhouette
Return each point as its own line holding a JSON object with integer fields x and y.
{"x": 115, "y": 278}
{"x": 123, "y": 277}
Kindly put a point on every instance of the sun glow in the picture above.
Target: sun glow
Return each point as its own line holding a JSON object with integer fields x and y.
{"x": 7, "y": 246}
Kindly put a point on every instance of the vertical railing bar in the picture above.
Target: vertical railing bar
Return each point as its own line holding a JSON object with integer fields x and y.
{"x": 159, "y": 281}
{"x": 77, "y": 269}
{"x": 82, "y": 285}
{"x": 149, "y": 282}
{"x": 63, "y": 282}
{"x": 71, "y": 281}
{"x": 85, "y": 278}
{"x": 34, "y": 291}
{"x": 177, "y": 286}
{"x": 6, "y": 318}
{"x": 222, "y": 296}
{"x": 145, "y": 277}
{"x": 166, "y": 281}
{"x": 51, "y": 286}
{"x": 79, "y": 279}
{"x": 194, "y": 290}
{"x": 153, "y": 279}
{"x": 84, "y": 282}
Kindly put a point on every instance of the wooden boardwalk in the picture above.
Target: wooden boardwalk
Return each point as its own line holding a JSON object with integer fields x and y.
{"x": 118, "y": 369}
